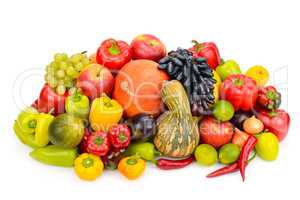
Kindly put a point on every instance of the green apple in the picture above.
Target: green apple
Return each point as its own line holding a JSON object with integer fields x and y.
{"x": 228, "y": 68}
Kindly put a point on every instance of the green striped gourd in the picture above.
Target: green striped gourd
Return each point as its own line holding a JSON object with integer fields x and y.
{"x": 177, "y": 134}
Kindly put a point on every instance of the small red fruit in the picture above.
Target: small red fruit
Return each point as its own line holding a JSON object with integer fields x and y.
{"x": 98, "y": 143}
{"x": 119, "y": 136}
{"x": 268, "y": 98}
{"x": 113, "y": 54}
{"x": 149, "y": 47}
{"x": 95, "y": 79}
{"x": 214, "y": 132}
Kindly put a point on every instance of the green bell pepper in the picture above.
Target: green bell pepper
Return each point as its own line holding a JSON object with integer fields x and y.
{"x": 54, "y": 155}
{"x": 78, "y": 105}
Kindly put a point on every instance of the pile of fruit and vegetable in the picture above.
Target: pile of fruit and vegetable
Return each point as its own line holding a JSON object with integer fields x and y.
{"x": 126, "y": 105}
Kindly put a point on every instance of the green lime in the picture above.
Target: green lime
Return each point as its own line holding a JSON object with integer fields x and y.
{"x": 206, "y": 154}
{"x": 223, "y": 110}
{"x": 229, "y": 153}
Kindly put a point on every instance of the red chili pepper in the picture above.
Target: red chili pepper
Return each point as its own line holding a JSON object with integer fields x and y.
{"x": 119, "y": 136}
{"x": 167, "y": 164}
{"x": 227, "y": 169}
{"x": 113, "y": 54}
{"x": 224, "y": 170}
{"x": 208, "y": 50}
{"x": 246, "y": 150}
{"x": 50, "y": 101}
{"x": 98, "y": 144}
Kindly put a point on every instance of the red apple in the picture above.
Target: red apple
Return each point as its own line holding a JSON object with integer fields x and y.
{"x": 50, "y": 102}
{"x": 149, "y": 47}
{"x": 214, "y": 132}
{"x": 94, "y": 80}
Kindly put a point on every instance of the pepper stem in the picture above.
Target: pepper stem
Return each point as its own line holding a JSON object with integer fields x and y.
{"x": 198, "y": 46}
{"x": 122, "y": 137}
{"x": 238, "y": 82}
{"x": 132, "y": 160}
{"x": 76, "y": 97}
{"x": 32, "y": 123}
{"x": 87, "y": 162}
{"x": 114, "y": 49}
{"x": 98, "y": 141}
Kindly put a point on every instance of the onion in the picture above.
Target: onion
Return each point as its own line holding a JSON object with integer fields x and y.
{"x": 253, "y": 125}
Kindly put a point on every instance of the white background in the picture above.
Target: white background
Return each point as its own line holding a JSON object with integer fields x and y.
{"x": 253, "y": 32}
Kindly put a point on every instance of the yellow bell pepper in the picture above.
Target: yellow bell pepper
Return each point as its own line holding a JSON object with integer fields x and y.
{"x": 88, "y": 166}
{"x": 104, "y": 113}
{"x": 132, "y": 167}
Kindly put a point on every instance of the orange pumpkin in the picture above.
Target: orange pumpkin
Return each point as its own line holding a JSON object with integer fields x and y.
{"x": 137, "y": 87}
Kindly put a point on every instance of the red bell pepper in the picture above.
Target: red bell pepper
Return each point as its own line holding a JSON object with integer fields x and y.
{"x": 208, "y": 50}
{"x": 113, "y": 54}
{"x": 268, "y": 98}
{"x": 240, "y": 91}
{"x": 277, "y": 122}
{"x": 98, "y": 143}
{"x": 119, "y": 136}
{"x": 50, "y": 101}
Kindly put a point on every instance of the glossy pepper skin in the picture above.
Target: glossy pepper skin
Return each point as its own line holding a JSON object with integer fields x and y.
{"x": 167, "y": 164}
{"x": 240, "y": 91}
{"x": 269, "y": 98}
{"x": 246, "y": 150}
{"x": 98, "y": 143}
{"x": 31, "y": 127}
{"x": 228, "y": 169}
{"x": 54, "y": 155}
{"x": 146, "y": 150}
{"x": 78, "y": 105}
{"x": 113, "y": 54}
{"x": 104, "y": 113}
{"x": 50, "y": 101}
{"x": 277, "y": 122}
{"x": 88, "y": 166}
{"x": 119, "y": 136}
{"x": 132, "y": 167}
{"x": 208, "y": 50}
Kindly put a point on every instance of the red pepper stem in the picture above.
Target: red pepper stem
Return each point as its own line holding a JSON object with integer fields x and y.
{"x": 198, "y": 46}
{"x": 122, "y": 137}
{"x": 114, "y": 49}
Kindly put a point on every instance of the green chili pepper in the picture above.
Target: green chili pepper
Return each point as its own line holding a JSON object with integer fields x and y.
{"x": 54, "y": 155}
{"x": 145, "y": 150}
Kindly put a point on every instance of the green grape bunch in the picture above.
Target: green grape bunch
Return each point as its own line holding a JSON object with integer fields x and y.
{"x": 62, "y": 72}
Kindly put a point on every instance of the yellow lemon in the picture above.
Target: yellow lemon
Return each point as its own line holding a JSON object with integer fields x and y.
{"x": 259, "y": 74}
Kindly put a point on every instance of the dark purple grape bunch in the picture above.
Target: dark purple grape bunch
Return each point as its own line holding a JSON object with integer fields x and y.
{"x": 196, "y": 77}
